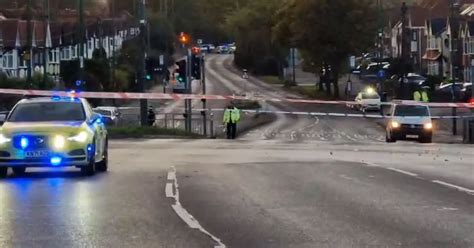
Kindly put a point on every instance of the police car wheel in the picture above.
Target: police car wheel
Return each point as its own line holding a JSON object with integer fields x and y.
{"x": 89, "y": 170}
{"x": 3, "y": 172}
{"x": 102, "y": 166}
{"x": 19, "y": 170}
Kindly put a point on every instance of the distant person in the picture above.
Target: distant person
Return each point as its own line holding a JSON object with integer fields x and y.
{"x": 231, "y": 118}
{"x": 151, "y": 117}
{"x": 417, "y": 95}
{"x": 424, "y": 94}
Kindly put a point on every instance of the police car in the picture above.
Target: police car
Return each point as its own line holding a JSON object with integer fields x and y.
{"x": 368, "y": 100}
{"x": 409, "y": 120}
{"x": 53, "y": 132}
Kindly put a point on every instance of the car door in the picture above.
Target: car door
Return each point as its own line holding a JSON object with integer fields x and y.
{"x": 100, "y": 133}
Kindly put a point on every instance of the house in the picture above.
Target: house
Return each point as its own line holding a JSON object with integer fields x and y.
{"x": 55, "y": 42}
{"x": 416, "y": 18}
{"x": 467, "y": 36}
{"x": 437, "y": 52}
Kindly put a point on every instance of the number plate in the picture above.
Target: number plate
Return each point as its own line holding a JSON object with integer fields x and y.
{"x": 412, "y": 136}
{"x": 37, "y": 154}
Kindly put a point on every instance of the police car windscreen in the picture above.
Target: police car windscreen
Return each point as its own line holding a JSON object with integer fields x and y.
{"x": 408, "y": 110}
{"x": 370, "y": 96}
{"x": 47, "y": 112}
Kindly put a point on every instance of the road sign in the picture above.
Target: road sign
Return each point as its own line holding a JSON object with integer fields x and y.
{"x": 352, "y": 62}
{"x": 199, "y": 41}
{"x": 381, "y": 74}
{"x": 162, "y": 59}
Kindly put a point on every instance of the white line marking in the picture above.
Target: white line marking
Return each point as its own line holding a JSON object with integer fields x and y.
{"x": 169, "y": 190}
{"x": 182, "y": 212}
{"x": 171, "y": 175}
{"x": 469, "y": 191}
{"x": 403, "y": 172}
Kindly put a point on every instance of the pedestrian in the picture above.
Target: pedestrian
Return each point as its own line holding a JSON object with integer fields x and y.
{"x": 230, "y": 120}
{"x": 151, "y": 116}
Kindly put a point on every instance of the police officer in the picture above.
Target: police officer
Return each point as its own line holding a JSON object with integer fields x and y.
{"x": 151, "y": 116}
{"x": 417, "y": 95}
{"x": 231, "y": 118}
{"x": 424, "y": 94}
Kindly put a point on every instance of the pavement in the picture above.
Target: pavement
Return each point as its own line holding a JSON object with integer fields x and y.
{"x": 249, "y": 193}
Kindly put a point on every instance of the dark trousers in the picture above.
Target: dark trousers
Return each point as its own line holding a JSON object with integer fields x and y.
{"x": 231, "y": 130}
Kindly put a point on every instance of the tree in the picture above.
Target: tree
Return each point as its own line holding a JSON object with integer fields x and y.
{"x": 327, "y": 31}
{"x": 251, "y": 27}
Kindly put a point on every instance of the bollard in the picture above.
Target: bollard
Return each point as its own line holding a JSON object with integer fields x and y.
{"x": 212, "y": 125}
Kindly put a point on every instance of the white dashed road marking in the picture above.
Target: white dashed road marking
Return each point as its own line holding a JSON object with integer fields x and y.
{"x": 181, "y": 211}
{"x": 469, "y": 191}
{"x": 403, "y": 172}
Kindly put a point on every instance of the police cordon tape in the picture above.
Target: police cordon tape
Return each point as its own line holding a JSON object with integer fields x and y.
{"x": 315, "y": 114}
{"x": 176, "y": 97}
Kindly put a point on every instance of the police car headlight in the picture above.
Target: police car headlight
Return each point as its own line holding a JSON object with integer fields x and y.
{"x": 59, "y": 142}
{"x": 3, "y": 139}
{"x": 81, "y": 137}
{"x": 428, "y": 126}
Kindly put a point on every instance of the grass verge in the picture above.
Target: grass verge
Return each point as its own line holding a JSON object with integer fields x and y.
{"x": 310, "y": 92}
{"x": 136, "y": 132}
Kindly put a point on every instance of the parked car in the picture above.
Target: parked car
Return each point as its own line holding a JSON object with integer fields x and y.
{"x": 444, "y": 93}
{"x": 110, "y": 115}
{"x": 416, "y": 79}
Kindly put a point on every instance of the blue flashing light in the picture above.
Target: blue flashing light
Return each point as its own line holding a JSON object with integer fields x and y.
{"x": 56, "y": 98}
{"x": 24, "y": 142}
{"x": 55, "y": 161}
{"x": 89, "y": 148}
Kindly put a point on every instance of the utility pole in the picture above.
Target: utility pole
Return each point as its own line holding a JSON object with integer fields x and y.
{"x": 141, "y": 67}
{"x": 29, "y": 41}
{"x": 45, "y": 40}
{"x": 204, "y": 101}
{"x": 112, "y": 60}
{"x": 380, "y": 45}
{"x": 454, "y": 39}
{"x": 81, "y": 42}
{"x": 188, "y": 104}
{"x": 405, "y": 50}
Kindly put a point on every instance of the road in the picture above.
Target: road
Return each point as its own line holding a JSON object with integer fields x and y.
{"x": 249, "y": 193}
{"x": 223, "y": 75}
{"x": 296, "y": 182}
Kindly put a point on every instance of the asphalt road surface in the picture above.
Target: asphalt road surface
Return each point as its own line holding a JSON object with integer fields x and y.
{"x": 223, "y": 75}
{"x": 246, "y": 193}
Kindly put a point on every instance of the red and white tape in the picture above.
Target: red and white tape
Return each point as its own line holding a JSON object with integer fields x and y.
{"x": 162, "y": 96}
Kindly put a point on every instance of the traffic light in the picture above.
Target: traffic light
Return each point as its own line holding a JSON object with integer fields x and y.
{"x": 184, "y": 38}
{"x": 196, "y": 66}
{"x": 149, "y": 69}
{"x": 181, "y": 71}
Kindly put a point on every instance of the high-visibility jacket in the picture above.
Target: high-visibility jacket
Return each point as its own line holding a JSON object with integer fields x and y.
{"x": 417, "y": 96}
{"x": 424, "y": 96}
{"x": 231, "y": 116}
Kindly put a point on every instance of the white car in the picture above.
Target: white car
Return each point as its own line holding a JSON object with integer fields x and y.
{"x": 366, "y": 101}
{"x": 111, "y": 115}
{"x": 409, "y": 120}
